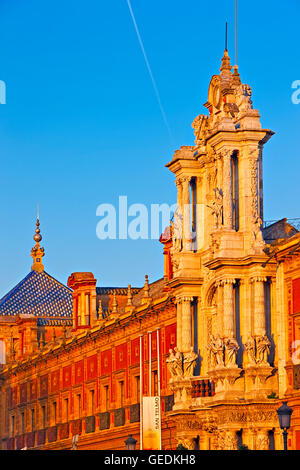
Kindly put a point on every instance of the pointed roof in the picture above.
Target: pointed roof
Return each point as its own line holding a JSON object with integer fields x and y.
{"x": 41, "y": 295}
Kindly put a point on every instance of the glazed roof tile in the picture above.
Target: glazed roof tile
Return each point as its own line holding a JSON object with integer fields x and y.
{"x": 38, "y": 294}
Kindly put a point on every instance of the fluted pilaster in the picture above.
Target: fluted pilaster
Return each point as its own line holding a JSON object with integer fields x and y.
{"x": 259, "y": 305}
{"x": 228, "y": 302}
{"x": 186, "y": 328}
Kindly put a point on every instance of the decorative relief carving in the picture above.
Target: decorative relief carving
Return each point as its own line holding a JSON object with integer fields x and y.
{"x": 217, "y": 207}
{"x": 263, "y": 346}
{"x": 181, "y": 366}
{"x": 231, "y": 348}
{"x": 262, "y": 441}
{"x": 216, "y": 351}
{"x": 174, "y": 363}
{"x": 227, "y": 441}
{"x": 258, "y": 349}
{"x": 189, "y": 362}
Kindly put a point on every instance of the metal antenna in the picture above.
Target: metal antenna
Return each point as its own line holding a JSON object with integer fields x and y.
{"x": 236, "y": 8}
{"x": 226, "y": 36}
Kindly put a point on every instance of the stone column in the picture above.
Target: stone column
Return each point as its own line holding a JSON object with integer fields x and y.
{"x": 82, "y": 301}
{"x": 178, "y": 304}
{"x": 220, "y": 308}
{"x": 87, "y": 309}
{"x": 200, "y": 218}
{"x": 78, "y": 300}
{"x": 186, "y": 205}
{"x": 186, "y": 329}
{"x": 259, "y": 306}
{"x": 227, "y": 189}
{"x": 93, "y": 311}
{"x": 228, "y": 302}
{"x": 178, "y": 183}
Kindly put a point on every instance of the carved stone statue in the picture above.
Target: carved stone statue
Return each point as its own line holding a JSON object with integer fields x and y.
{"x": 250, "y": 348}
{"x": 216, "y": 349}
{"x": 217, "y": 207}
{"x": 232, "y": 347}
{"x": 189, "y": 362}
{"x": 177, "y": 231}
{"x": 257, "y": 232}
{"x": 263, "y": 349}
{"x": 174, "y": 362}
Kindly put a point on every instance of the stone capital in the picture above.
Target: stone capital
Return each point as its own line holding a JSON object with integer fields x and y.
{"x": 258, "y": 279}
{"x": 223, "y": 282}
{"x": 224, "y": 153}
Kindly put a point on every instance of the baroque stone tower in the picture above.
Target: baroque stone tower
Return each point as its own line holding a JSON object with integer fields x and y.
{"x": 223, "y": 291}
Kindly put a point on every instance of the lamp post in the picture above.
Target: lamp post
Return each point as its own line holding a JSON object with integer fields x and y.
{"x": 130, "y": 443}
{"x": 284, "y": 416}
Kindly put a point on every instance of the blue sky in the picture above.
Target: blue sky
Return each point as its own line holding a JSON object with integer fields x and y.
{"x": 82, "y": 124}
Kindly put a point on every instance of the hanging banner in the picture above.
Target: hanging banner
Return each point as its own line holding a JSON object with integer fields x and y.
{"x": 151, "y": 423}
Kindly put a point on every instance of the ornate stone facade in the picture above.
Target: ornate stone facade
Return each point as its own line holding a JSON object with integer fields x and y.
{"x": 228, "y": 309}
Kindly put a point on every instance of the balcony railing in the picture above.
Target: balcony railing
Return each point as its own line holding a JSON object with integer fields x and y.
{"x": 203, "y": 388}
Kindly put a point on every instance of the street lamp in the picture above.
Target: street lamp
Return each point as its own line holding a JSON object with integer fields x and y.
{"x": 130, "y": 442}
{"x": 284, "y": 415}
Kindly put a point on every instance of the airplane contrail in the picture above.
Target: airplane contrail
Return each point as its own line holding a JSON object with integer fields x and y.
{"x": 150, "y": 71}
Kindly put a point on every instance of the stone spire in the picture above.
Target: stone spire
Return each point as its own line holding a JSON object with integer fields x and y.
{"x": 226, "y": 65}
{"x": 37, "y": 251}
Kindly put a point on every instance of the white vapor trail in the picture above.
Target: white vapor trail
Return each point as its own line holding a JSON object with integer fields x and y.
{"x": 150, "y": 71}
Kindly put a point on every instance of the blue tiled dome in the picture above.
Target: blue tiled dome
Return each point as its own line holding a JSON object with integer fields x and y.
{"x": 41, "y": 295}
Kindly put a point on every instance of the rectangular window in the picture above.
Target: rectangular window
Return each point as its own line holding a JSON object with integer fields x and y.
{"x": 32, "y": 419}
{"x": 78, "y": 405}
{"x": 121, "y": 384}
{"x": 23, "y": 422}
{"x": 12, "y": 426}
{"x": 106, "y": 397}
{"x": 43, "y": 416}
{"x": 54, "y": 413}
{"x": 66, "y": 410}
{"x": 92, "y": 402}
{"x": 137, "y": 388}
{"x": 155, "y": 383}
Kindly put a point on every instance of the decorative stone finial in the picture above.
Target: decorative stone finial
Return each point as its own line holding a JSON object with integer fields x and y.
{"x": 114, "y": 304}
{"x": 236, "y": 76}
{"x": 146, "y": 287}
{"x": 37, "y": 251}
{"x": 226, "y": 65}
{"x": 100, "y": 310}
{"x": 129, "y": 296}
